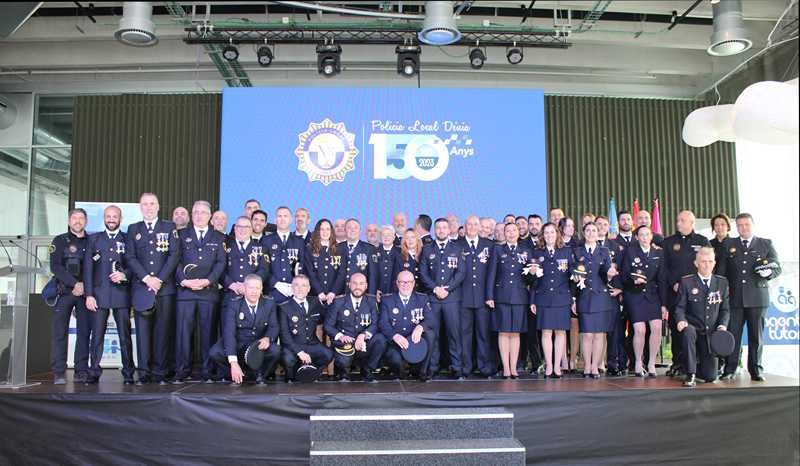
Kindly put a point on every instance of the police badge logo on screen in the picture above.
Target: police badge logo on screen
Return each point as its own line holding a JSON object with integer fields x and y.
{"x": 326, "y": 152}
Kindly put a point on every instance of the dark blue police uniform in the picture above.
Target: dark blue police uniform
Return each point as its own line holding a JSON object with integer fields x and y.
{"x": 401, "y": 318}
{"x": 475, "y": 315}
{"x": 299, "y": 333}
{"x": 347, "y": 319}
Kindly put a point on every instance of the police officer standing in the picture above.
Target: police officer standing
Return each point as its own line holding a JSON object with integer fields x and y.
{"x": 405, "y": 316}
{"x": 152, "y": 252}
{"x": 702, "y": 307}
{"x": 244, "y": 258}
{"x": 357, "y": 256}
{"x": 751, "y": 263}
{"x": 67, "y": 252}
{"x": 680, "y": 250}
{"x": 200, "y": 268}
{"x": 248, "y": 318}
{"x": 442, "y": 271}
{"x": 385, "y": 256}
{"x": 107, "y": 289}
{"x": 286, "y": 255}
{"x": 299, "y": 317}
{"x": 352, "y": 325}
{"x": 475, "y": 317}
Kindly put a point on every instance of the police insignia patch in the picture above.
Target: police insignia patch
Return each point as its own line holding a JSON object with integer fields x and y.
{"x": 295, "y": 319}
{"x": 138, "y": 236}
{"x": 676, "y": 247}
{"x": 326, "y": 152}
{"x": 395, "y": 311}
{"x": 695, "y": 291}
{"x": 51, "y": 249}
{"x": 346, "y": 313}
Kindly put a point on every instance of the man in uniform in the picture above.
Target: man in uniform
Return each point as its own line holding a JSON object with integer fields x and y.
{"x": 643, "y": 219}
{"x": 180, "y": 217}
{"x": 751, "y": 263}
{"x": 152, "y": 252}
{"x": 474, "y": 313}
{"x": 423, "y": 228}
{"x": 373, "y": 233}
{"x": 286, "y": 256}
{"x": 199, "y": 270}
{"x": 406, "y": 316}
{"x": 106, "y": 287}
{"x": 259, "y": 222}
{"x": 442, "y": 270}
{"x": 245, "y": 257}
{"x": 357, "y": 256}
{"x": 352, "y": 323}
{"x": 299, "y": 317}
{"x": 385, "y": 255}
{"x": 701, "y": 308}
{"x": 616, "y": 356}
{"x": 67, "y": 252}
{"x": 302, "y": 218}
{"x": 556, "y": 214}
{"x": 339, "y": 232}
{"x": 250, "y": 317}
{"x": 680, "y": 252}
{"x": 487, "y": 228}
{"x": 400, "y": 224}
{"x": 219, "y": 220}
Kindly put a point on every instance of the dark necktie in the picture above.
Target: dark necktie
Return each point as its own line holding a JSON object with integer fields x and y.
{"x": 357, "y": 304}
{"x": 350, "y": 248}
{"x": 745, "y": 243}
{"x": 252, "y": 309}
{"x": 600, "y": 242}
{"x": 283, "y": 240}
{"x": 111, "y": 236}
{"x": 303, "y": 305}
{"x": 591, "y": 250}
{"x": 550, "y": 252}
{"x": 513, "y": 248}
{"x": 472, "y": 245}
{"x": 202, "y": 235}
{"x": 706, "y": 283}
{"x": 441, "y": 247}
{"x": 405, "y": 301}
{"x": 241, "y": 247}
{"x": 149, "y": 227}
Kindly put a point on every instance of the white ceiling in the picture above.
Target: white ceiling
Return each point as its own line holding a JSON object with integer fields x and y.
{"x": 71, "y": 54}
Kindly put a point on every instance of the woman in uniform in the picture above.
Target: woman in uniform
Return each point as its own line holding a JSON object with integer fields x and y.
{"x": 322, "y": 263}
{"x": 644, "y": 293}
{"x": 551, "y": 297}
{"x": 593, "y": 270}
{"x": 408, "y": 258}
{"x": 508, "y": 297}
{"x": 721, "y": 224}
{"x": 566, "y": 227}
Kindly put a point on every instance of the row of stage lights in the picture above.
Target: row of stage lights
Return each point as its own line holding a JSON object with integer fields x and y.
{"x": 408, "y": 63}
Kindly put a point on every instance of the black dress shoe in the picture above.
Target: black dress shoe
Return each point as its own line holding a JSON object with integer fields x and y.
{"x": 369, "y": 378}
{"x": 652, "y": 374}
{"x": 342, "y": 378}
{"x": 90, "y": 380}
{"x": 690, "y": 381}
{"x": 555, "y": 376}
{"x": 514, "y": 377}
{"x": 424, "y": 379}
{"x": 727, "y": 376}
{"x": 260, "y": 380}
{"x": 128, "y": 382}
{"x": 595, "y": 376}
{"x": 758, "y": 378}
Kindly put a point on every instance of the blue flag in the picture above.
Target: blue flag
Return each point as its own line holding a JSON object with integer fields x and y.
{"x": 612, "y": 218}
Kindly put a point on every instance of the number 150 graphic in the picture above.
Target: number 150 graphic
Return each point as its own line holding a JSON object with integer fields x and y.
{"x": 399, "y": 156}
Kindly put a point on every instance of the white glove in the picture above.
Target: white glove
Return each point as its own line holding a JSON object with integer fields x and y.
{"x": 582, "y": 283}
{"x": 539, "y": 272}
{"x": 284, "y": 288}
{"x": 765, "y": 273}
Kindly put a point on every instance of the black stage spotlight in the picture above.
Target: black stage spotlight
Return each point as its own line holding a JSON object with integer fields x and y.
{"x": 476, "y": 58}
{"x": 265, "y": 56}
{"x": 230, "y": 52}
{"x": 514, "y": 55}
{"x": 408, "y": 59}
{"x": 328, "y": 59}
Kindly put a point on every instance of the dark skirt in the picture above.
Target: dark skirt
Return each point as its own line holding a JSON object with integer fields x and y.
{"x": 553, "y": 318}
{"x": 595, "y": 322}
{"x": 510, "y": 318}
{"x": 644, "y": 311}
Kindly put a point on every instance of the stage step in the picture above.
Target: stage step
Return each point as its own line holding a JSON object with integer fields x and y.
{"x": 411, "y": 424}
{"x": 505, "y": 451}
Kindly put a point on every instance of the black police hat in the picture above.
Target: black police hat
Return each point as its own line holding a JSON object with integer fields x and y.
{"x": 722, "y": 343}
{"x": 144, "y": 302}
{"x": 253, "y": 356}
{"x": 51, "y": 292}
{"x": 308, "y": 373}
{"x": 415, "y": 352}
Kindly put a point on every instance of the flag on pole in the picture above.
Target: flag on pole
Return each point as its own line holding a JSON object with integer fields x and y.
{"x": 613, "y": 230}
{"x": 635, "y": 210}
{"x": 656, "y": 218}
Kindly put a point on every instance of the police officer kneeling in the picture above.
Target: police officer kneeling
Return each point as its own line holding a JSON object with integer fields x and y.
{"x": 702, "y": 307}
{"x": 352, "y": 322}
{"x": 405, "y": 316}
{"x": 299, "y": 317}
{"x": 246, "y": 320}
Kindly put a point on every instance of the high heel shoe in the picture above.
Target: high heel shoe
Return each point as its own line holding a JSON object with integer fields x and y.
{"x": 642, "y": 374}
{"x": 555, "y": 376}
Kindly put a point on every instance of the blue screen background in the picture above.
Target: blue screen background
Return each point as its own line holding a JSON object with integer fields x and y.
{"x": 505, "y": 172}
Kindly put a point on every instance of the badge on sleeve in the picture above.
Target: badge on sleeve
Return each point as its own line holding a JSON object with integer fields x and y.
{"x": 51, "y": 249}
{"x": 138, "y": 236}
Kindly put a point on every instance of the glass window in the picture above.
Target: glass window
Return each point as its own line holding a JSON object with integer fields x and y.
{"x": 54, "y": 121}
{"x": 14, "y": 191}
{"x": 49, "y": 190}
